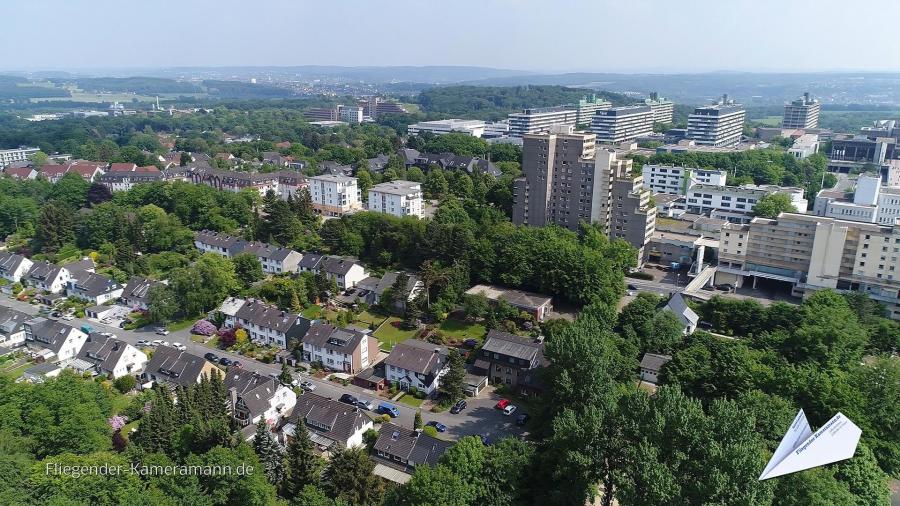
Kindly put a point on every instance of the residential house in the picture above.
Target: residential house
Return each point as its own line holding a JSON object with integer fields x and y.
{"x": 345, "y": 271}
{"x": 136, "y": 293}
{"x": 54, "y": 278}
{"x": 378, "y": 164}
{"x": 290, "y": 182}
{"x": 253, "y": 397}
{"x": 12, "y": 328}
{"x": 403, "y": 449}
{"x": 93, "y": 287}
{"x": 371, "y": 289}
{"x": 89, "y": 171}
{"x": 449, "y": 161}
{"x": 337, "y": 349}
{"x": 123, "y": 181}
{"x": 13, "y": 266}
{"x": 508, "y": 359}
{"x": 122, "y": 167}
{"x": 42, "y": 372}
{"x": 651, "y": 365}
{"x": 266, "y": 324}
{"x": 174, "y": 368}
{"x": 331, "y": 424}
{"x": 335, "y": 169}
{"x": 21, "y": 173}
{"x": 53, "y": 172}
{"x": 215, "y": 242}
{"x": 274, "y": 259}
{"x": 537, "y": 305}
{"x": 688, "y": 318}
{"x": 51, "y": 338}
{"x": 110, "y": 357}
{"x": 414, "y": 364}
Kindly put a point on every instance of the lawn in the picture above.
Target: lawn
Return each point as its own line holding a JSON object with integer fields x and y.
{"x": 411, "y": 401}
{"x": 17, "y": 371}
{"x": 120, "y": 402}
{"x": 389, "y": 335}
{"x": 460, "y": 330}
{"x": 770, "y": 121}
{"x": 312, "y": 312}
{"x": 184, "y": 324}
{"x": 370, "y": 318}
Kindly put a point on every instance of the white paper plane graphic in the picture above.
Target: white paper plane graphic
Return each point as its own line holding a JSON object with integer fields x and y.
{"x": 800, "y": 449}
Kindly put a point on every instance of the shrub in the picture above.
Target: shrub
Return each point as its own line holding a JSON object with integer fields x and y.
{"x": 16, "y": 288}
{"x": 385, "y": 418}
{"x": 640, "y": 275}
{"x": 125, "y": 384}
{"x": 431, "y": 431}
{"x": 203, "y": 328}
{"x": 420, "y": 394}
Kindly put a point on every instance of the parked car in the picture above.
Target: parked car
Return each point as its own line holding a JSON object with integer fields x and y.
{"x": 725, "y": 287}
{"x": 438, "y": 426}
{"x": 631, "y": 293}
{"x": 87, "y": 329}
{"x": 212, "y": 357}
{"x": 156, "y": 342}
{"x": 55, "y": 314}
{"x": 161, "y": 331}
{"x": 502, "y": 403}
{"x": 307, "y": 385}
{"x": 235, "y": 363}
{"x": 705, "y": 325}
{"x": 508, "y": 410}
{"x": 458, "y": 407}
{"x": 226, "y": 361}
{"x": 366, "y": 404}
{"x": 68, "y": 317}
{"x": 388, "y": 409}
{"x": 144, "y": 342}
{"x": 349, "y": 399}
{"x": 106, "y": 321}
{"x": 166, "y": 343}
{"x": 522, "y": 419}
{"x": 632, "y": 287}
{"x": 178, "y": 346}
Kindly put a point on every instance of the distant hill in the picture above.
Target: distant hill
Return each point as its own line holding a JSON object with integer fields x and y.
{"x": 495, "y": 102}
{"x": 242, "y": 91}
{"x": 139, "y": 85}
{"x": 377, "y": 75}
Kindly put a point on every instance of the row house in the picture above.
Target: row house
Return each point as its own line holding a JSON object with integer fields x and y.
{"x": 124, "y": 181}
{"x": 404, "y": 449}
{"x": 331, "y": 424}
{"x": 136, "y": 293}
{"x": 171, "y": 367}
{"x": 12, "y": 327}
{"x": 13, "y": 266}
{"x": 508, "y": 359}
{"x": 95, "y": 288}
{"x": 52, "y": 278}
{"x": 253, "y": 398}
{"x": 21, "y": 173}
{"x": 274, "y": 259}
{"x": 345, "y": 271}
{"x": 337, "y": 349}
{"x": 265, "y": 324}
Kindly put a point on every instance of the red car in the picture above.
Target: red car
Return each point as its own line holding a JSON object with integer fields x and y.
{"x": 502, "y": 404}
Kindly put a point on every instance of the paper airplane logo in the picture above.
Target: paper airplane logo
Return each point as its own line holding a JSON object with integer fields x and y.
{"x": 800, "y": 449}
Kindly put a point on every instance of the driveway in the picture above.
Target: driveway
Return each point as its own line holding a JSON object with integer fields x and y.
{"x": 479, "y": 418}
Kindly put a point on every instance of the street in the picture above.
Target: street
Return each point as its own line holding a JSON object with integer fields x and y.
{"x": 479, "y": 417}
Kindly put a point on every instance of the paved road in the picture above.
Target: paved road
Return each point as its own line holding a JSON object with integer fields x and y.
{"x": 479, "y": 418}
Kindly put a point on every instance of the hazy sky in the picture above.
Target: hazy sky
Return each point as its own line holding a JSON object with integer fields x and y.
{"x": 542, "y": 35}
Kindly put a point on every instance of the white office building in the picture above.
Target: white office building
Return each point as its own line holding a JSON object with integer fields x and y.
{"x": 735, "y": 203}
{"x": 805, "y": 146}
{"x": 717, "y": 125}
{"x": 587, "y": 107}
{"x": 472, "y": 127}
{"x": 334, "y": 195}
{"x": 21, "y": 154}
{"x": 871, "y": 203}
{"x": 540, "y": 120}
{"x": 622, "y": 124}
{"x": 663, "y": 108}
{"x": 398, "y": 198}
{"x": 678, "y": 180}
{"x": 351, "y": 113}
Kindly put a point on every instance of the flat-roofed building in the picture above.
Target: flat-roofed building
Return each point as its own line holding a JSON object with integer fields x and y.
{"x": 540, "y": 120}
{"x": 735, "y": 203}
{"x": 678, "y": 180}
{"x": 621, "y": 124}
{"x": 719, "y": 124}
{"x": 334, "y": 195}
{"x": 586, "y": 107}
{"x": 398, "y": 198}
{"x": 20, "y": 154}
{"x": 475, "y": 128}
{"x": 663, "y": 108}
{"x": 801, "y": 113}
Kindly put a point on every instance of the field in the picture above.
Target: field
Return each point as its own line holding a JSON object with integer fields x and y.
{"x": 124, "y": 98}
{"x": 389, "y": 335}
{"x": 461, "y": 331}
{"x": 769, "y": 121}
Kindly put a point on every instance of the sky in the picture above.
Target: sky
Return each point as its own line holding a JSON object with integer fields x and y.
{"x": 535, "y": 35}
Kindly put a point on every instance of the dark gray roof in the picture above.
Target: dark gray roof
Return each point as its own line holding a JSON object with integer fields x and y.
{"x": 654, "y": 362}
{"x": 138, "y": 288}
{"x": 43, "y": 271}
{"x": 93, "y": 284}
{"x": 337, "y": 265}
{"x": 104, "y": 352}
{"x": 679, "y": 306}
{"x": 512, "y": 345}
{"x": 264, "y": 250}
{"x": 266, "y": 316}
{"x": 418, "y": 356}
{"x": 333, "y": 338}
{"x": 10, "y": 262}
{"x": 310, "y": 261}
{"x": 11, "y": 320}
{"x": 176, "y": 367}
{"x": 417, "y": 448}
{"x": 233, "y": 245}
{"x": 251, "y": 389}
{"x": 48, "y": 333}
{"x": 335, "y": 420}
{"x": 390, "y": 278}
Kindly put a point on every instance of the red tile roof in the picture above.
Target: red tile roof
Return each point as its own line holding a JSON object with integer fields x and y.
{"x": 148, "y": 168}
{"x": 19, "y": 172}
{"x": 53, "y": 170}
{"x": 122, "y": 167}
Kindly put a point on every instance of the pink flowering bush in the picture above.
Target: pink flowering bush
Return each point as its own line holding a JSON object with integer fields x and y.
{"x": 117, "y": 422}
{"x": 203, "y": 328}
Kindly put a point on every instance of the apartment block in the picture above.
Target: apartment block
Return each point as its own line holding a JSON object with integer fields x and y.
{"x": 735, "y": 203}
{"x": 717, "y": 125}
{"x": 398, "y": 198}
{"x": 558, "y": 183}
{"x": 871, "y": 203}
{"x": 663, "y": 108}
{"x": 540, "y": 120}
{"x": 624, "y": 204}
{"x": 809, "y": 253}
{"x": 804, "y": 146}
{"x": 673, "y": 180}
{"x": 334, "y": 195}
{"x": 475, "y": 128}
{"x": 801, "y": 113}
{"x": 20, "y": 154}
{"x": 587, "y": 107}
{"x": 622, "y": 124}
